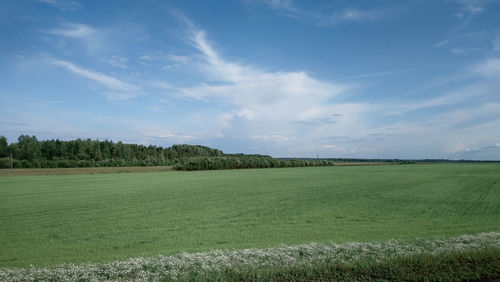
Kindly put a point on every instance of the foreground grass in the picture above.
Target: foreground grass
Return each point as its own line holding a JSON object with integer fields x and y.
{"x": 459, "y": 258}
{"x": 49, "y": 220}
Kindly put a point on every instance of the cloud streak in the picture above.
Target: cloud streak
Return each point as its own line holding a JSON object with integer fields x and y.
{"x": 472, "y": 6}
{"x": 496, "y": 43}
{"x": 73, "y": 30}
{"x": 375, "y": 74}
{"x": 490, "y": 68}
{"x": 63, "y": 5}
{"x": 259, "y": 93}
{"x": 441, "y": 43}
{"x": 117, "y": 62}
{"x": 117, "y": 89}
{"x": 323, "y": 19}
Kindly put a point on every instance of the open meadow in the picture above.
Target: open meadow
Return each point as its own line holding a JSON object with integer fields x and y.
{"x": 54, "y": 219}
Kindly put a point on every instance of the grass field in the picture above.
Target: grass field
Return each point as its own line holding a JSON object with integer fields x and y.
{"x": 53, "y": 219}
{"x": 81, "y": 170}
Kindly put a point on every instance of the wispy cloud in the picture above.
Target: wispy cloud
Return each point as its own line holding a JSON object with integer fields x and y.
{"x": 496, "y": 43}
{"x": 177, "y": 58}
{"x": 291, "y": 111}
{"x": 117, "y": 61}
{"x": 117, "y": 89}
{"x": 175, "y": 61}
{"x": 356, "y": 15}
{"x": 289, "y": 9}
{"x": 490, "y": 68}
{"x": 73, "y": 30}
{"x": 472, "y": 6}
{"x": 64, "y": 5}
{"x": 470, "y": 9}
{"x": 458, "y": 51}
{"x": 120, "y": 96}
{"x": 440, "y": 44}
{"x": 257, "y": 91}
{"x": 375, "y": 74}
{"x": 268, "y": 105}
{"x": 105, "y": 80}
{"x": 462, "y": 94}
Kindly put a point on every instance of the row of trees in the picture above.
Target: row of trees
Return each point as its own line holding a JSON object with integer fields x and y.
{"x": 29, "y": 152}
{"x": 236, "y": 161}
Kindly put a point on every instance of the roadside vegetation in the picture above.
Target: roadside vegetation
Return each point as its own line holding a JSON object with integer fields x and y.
{"x": 459, "y": 258}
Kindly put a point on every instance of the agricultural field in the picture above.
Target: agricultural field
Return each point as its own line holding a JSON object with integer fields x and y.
{"x": 53, "y": 219}
{"x": 80, "y": 170}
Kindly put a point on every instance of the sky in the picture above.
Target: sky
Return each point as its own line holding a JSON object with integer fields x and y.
{"x": 287, "y": 78}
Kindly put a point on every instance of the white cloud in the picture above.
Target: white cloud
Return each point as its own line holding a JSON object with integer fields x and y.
{"x": 73, "y": 30}
{"x": 356, "y": 15}
{"x": 120, "y": 96}
{"x": 472, "y": 6}
{"x": 119, "y": 90}
{"x": 271, "y": 106}
{"x": 490, "y": 68}
{"x": 459, "y": 51}
{"x": 64, "y": 5}
{"x": 257, "y": 91}
{"x": 325, "y": 19}
{"x": 105, "y": 80}
{"x": 382, "y": 73}
{"x": 117, "y": 61}
{"x": 441, "y": 43}
{"x": 177, "y": 58}
{"x": 496, "y": 44}
{"x": 455, "y": 96}
{"x": 160, "y": 85}
{"x": 177, "y": 61}
{"x": 288, "y": 113}
{"x": 145, "y": 60}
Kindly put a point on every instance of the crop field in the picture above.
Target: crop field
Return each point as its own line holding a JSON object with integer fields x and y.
{"x": 53, "y": 219}
{"x": 81, "y": 170}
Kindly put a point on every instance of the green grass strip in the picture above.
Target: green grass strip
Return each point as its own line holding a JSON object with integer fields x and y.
{"x": 459, "y": 258}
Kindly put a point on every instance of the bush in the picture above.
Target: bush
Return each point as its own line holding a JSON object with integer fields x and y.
{"x": 4, "y": 162}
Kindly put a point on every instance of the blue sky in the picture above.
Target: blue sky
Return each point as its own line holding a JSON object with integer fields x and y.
{"x": 370, "y": 79}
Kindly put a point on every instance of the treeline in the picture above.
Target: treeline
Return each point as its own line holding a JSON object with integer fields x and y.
{"x": 398, "y": 161}
{"x": 29, "y": 152}
{"x": 235, "y": 161}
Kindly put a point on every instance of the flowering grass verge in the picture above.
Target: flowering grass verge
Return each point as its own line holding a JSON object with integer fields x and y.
{"x": 467, "y": 257}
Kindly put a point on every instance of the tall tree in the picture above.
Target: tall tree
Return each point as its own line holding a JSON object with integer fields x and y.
{"x": 4, "y": 147}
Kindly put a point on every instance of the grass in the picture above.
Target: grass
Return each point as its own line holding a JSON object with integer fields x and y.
{"x": 54, "y": 219}
{"x": 80, "y": 170}
{"x": 459, "y": 258}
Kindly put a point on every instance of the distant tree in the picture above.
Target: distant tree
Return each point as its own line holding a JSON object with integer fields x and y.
{"x": 30, "y": 147}
{"x": 4, "y": 146}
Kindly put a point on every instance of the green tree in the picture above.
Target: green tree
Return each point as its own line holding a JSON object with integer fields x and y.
{"x": 4, "y": 146}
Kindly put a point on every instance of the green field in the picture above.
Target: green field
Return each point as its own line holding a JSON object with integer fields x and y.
{"x": 48, "y": 220}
